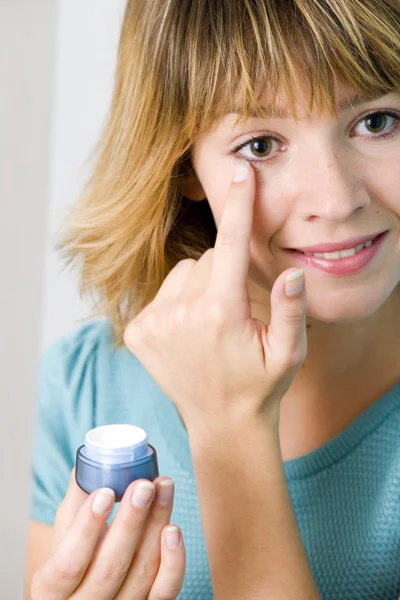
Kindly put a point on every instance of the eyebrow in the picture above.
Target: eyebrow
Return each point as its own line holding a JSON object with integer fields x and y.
{"x": 356, "y": 100}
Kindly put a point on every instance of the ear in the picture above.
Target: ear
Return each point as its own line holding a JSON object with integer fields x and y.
{"x": 190, "y": 185}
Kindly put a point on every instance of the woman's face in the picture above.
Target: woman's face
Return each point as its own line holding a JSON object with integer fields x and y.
{"x": 320, "y": 180}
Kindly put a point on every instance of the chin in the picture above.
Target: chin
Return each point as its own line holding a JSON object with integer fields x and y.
{"x": 347, "y": 307}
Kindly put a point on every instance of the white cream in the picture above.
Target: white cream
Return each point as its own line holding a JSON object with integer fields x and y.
{"x": 116, "y": 443}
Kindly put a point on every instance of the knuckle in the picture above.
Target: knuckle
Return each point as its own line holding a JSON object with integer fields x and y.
{"x": 186, "y": 262}
{"x": 146, "y": 570}
{"x": 171, "y": 585}
{"x": 294, "y": 319}
{"x": 288, "y": 364}
{"x": 149, "y": 326}
{"x": 215, "y": 314}
{"x": 172, "y": 588}
{"x": 90, "y": 525}
{"x": 89, "y": 521}
{"x": 228, "y": 237}
{"x": 195, "y": 311}
{"x": 62, "y": 513}
{"x": 208, "y": 254}
{"x": 36, "y": 589}
{"x": 170, "y": 593}
{"x": 130, "y": 334}
{"x": 291, "y": 360}
{"x": 113, "y": 571}
{"x": 131, "y": 330}
{"x": 59, "y": 516}
{"x": 295, "y": 314}
{"x": 69, "y": 569}
{"x": 180, "y": 314}
{"x": 159, "y": 518}
{"x": 133, "y": 518}
{"x": 126, "y": 335}
{"x": 298, "y": 358}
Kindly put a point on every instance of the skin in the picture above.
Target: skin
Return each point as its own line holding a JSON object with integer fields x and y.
{"x": 352, "y": 321}
{"x": 226, "y": 373}
{"x": 87, "y": 558}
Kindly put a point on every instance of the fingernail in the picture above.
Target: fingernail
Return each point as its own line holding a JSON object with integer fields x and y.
{"x": 166, "y": 488}
{"x": 142, "y": 493}
{"x": 294, "y": 283}
{"x": 102, "y": 501}
{"x": 172, "y": 537}
{"x": 241, "y": 172}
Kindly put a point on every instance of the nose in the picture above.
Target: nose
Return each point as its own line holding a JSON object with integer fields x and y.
{"x": 332, "y": 190}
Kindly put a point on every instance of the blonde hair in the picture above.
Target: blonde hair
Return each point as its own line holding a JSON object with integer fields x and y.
{"x": 182, "y": 65}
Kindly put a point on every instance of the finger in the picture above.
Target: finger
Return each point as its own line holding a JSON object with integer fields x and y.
{"x": 172, "y": 286}
{"x": 111, "y": 563}
{"x": 67, "y": 510}
{"x": 169, "y": 581}
{"x": 286, "y": 340}
{"x": 146, "y": 561}
{"x": 175, "y": 282}
{"x": 199, "y": 278}
{"x": 232, "y": 247}
{"x": 64, "y": 570}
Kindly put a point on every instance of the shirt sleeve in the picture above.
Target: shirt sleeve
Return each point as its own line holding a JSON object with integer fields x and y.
{"x": 65, "y": 411}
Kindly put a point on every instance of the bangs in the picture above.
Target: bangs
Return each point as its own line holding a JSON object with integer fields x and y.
{"x": 274, "y": 45}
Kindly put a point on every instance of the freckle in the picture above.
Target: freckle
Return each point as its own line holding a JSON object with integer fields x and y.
{"x": 308, "y": 326}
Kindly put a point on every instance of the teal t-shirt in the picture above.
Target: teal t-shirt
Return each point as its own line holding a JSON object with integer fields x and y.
{"x": 345, "y": 494}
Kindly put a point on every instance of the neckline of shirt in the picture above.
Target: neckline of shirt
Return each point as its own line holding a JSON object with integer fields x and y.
{"x": 171, "y": 428}
{"x": 311, "y": 463}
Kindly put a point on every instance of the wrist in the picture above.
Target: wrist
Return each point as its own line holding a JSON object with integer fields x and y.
{"x": 234, "y": 433}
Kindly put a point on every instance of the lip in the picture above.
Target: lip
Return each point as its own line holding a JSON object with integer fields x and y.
{"x": 334, "y": 247}
{"x": 342, "y": 266}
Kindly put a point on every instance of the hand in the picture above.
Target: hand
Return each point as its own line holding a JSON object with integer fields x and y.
{"x": 197, "y": 338}
{"x": 90, "y": 560}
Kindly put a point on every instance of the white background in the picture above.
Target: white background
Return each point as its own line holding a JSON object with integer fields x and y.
{"x": 57, "y": 63}
{"x": 87, "y": 42}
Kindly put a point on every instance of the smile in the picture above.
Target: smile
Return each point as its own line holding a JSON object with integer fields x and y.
{"x": 342, "y": 262}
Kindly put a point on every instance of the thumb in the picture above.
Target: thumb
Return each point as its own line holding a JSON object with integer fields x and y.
{"x": 67, "y": 510}
{"x": 287, "y": 337}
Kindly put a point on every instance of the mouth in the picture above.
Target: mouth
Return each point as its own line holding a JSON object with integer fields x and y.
{"x": 331, "y": 247}
{"x": 344, "y": 252}
{"x": 343, "y": 262}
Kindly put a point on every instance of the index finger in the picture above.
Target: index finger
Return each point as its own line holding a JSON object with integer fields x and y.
{"x": 231, "y": 257}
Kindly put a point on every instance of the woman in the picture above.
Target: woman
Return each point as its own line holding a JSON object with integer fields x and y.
{"x": 275, "y": 417}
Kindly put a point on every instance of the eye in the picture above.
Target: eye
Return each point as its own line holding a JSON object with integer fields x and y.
{"x": 377, "y": 122}
{"x": 263, "y": 146}
{"x": 258, "y": 145}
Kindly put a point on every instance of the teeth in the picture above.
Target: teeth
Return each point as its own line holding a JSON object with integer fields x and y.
{"x": 342, "y": 253}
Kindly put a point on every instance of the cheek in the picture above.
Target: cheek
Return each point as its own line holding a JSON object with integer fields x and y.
{"x": 381, "y": 182}
{"x": 268, "y": 217}
{"x": 271, "y": 215}
{"x": 273, "y": 205}
{"x": 264, "y": 268}
{"x": 384, "y": 186}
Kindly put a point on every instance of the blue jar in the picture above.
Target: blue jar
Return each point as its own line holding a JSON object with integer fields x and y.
{"x": 113, "y": 456}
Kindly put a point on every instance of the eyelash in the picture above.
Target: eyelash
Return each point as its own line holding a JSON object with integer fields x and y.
{"x": 269, "y": 136}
